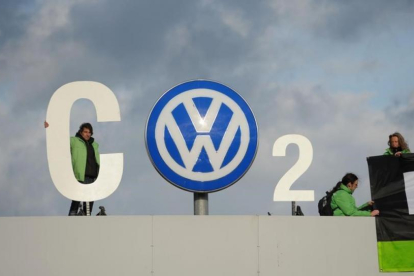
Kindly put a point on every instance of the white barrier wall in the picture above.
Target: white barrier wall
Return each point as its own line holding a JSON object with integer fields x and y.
{"x": 188, "y": 245}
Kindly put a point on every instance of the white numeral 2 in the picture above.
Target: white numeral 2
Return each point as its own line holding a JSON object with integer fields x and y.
{"x": 282, "y": 189}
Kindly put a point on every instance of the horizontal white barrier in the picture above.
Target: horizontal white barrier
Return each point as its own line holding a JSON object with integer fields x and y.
{"x": 188, "y": 245}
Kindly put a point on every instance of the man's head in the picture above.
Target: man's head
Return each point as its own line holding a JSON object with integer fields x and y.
{"x": 86, "y": 131}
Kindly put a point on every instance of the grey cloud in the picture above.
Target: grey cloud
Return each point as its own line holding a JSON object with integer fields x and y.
{"x": 128, "y": 44}
{"x": 129, "y": 33}
{"x": 351, "y": 20}
{"x": 401, "y": 111}
{"x": 137, "y": 38}
{"x": 14, "y": 16}
{"x": 343, "y": 21}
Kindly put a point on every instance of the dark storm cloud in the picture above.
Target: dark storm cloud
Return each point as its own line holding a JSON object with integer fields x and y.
{"x": 135, "y": 37}
{"x": 401, "y": 111}
{"x": 138, "y": 44}
{"x": 128, "y": 33}
{"x": 146, "y": 48}
{"x": 14, "y": 17}
{"x": 350, "y": 20}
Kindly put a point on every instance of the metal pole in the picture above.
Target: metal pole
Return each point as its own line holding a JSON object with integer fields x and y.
{"x": 293, "y": 208}
{"x": 200, "y": 203}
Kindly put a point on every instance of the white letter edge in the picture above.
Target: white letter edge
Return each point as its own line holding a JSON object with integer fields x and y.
{"x": 58, "y": 144}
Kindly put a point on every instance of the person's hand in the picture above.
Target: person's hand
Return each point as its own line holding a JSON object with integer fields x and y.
{"x": 370, "y": 203}
{"x": 374, "y": 213}
{"x": 398, "y": 154}
{"x": 46, "y": 124}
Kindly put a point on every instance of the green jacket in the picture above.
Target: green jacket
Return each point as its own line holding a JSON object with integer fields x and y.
{"x": 79, "y": 153}
{"x": 389, "y": 151}
{"x": 343, "y": 204}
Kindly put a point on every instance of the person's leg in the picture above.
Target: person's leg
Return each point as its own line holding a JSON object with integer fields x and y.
{"x": 88, "y": 180}
{"x": 90, "y": 206}
{"x": 74, "y": 206}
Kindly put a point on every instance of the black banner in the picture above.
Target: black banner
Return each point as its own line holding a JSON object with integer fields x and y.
{"x": 395, "y": 226}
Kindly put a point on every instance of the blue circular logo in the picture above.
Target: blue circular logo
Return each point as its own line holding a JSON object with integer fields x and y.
{"x": 201, "y": 136}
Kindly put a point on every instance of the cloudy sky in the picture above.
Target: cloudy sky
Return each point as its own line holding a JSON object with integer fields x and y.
{"x": 338, "y": 72}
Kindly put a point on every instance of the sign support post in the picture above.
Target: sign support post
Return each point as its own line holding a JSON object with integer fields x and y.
{"x": 201, "y": 204}
{"x": 201, "y": 136}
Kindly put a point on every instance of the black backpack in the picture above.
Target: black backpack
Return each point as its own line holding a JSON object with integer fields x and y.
{"x": 324, "y": 205}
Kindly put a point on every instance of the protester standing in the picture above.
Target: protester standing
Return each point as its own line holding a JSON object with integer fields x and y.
{"x": 85, "y": 160}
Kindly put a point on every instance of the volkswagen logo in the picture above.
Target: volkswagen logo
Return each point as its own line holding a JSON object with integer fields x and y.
{"x": 201, "y": 136}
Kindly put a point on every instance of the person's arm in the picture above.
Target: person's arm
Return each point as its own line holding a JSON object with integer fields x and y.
{"x": 398, "y": 154}
{"x": 364, "y": 206}
{"x": 346, "y": 203}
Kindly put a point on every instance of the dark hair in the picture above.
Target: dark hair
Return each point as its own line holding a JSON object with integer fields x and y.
{"x": 348, "y": 178}
{"x": 401, "y": 140}
{"x": 86, "y": 125}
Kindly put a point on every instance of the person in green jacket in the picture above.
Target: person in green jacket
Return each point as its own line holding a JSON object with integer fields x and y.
{"x": 397, "y": 145}
{"x": 85, "y": 160}
{"x": 343, "y": 203}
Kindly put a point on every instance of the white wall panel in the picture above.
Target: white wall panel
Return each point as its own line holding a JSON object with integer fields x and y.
{"x": 205, "y": 245}
{"x": 75, "y": 246}
{"x": 318, "y": 246}
{"x": 188, "y": 246}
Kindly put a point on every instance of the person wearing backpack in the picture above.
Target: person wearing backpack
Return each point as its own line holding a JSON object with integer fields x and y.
{"x": 343, "y": 203}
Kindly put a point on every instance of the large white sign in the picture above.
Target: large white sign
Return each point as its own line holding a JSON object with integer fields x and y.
{"x": 111, "y": 165}
{"x": 58, "y": 146}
